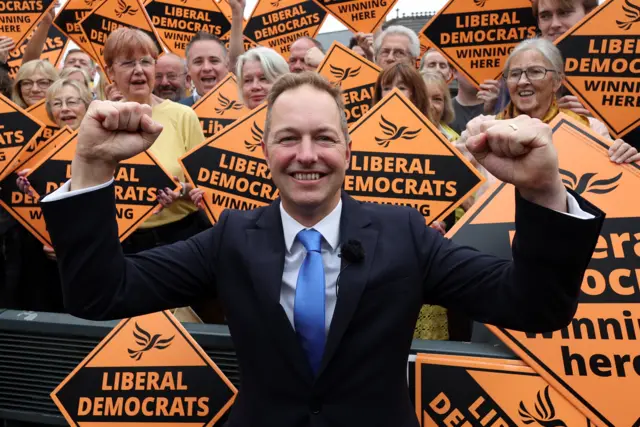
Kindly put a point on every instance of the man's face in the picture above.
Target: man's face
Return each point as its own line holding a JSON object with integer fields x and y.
{"x": 306, "y": 151}
{"x": 170, "y": 78}
{"x": 395, "y": 48}
{"x": 298, "y": 51}
{"x": 554, "y": 21}
{"x": 80, "y": 60}
{"x": 434, "y": 61}
{"x": 207, "y": 65}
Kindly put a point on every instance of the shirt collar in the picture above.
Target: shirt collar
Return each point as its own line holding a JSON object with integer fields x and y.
{"x": 328, "y": 227}
{"x": 195, "y": 95}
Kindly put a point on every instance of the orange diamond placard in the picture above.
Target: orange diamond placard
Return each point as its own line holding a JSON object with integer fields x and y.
{"x": 177, "y": 21}
{"x": 231, "y": 168}
{"x": 220, "y": 107}
{"x": 147, "y": 371}
{"x": 476, "y": 36}
{"x": 136, "y": 182}
{"x": 19, "y": 17}
{"x": 364, "y": 16}
{"x": 594, "y": 362}
{"x": 277, "y": 24}
{"x": 39, "y": 112}
{"x": 398, "y": 157}
{"x": 602, "y": 64}
{"x": 54, "y": 47}
{"x": 68, "y": 21}
{"x": 483, "y": 391}
{"x": 110, "y": 15}
{"x": 355, "y": 75}
{"x": 17, "y": 130}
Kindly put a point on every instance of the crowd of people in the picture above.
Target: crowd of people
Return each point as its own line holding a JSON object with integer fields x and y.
{"x": 171, "y": 85}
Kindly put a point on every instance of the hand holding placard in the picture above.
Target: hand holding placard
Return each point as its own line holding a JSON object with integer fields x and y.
{"x": 520, "y": 152}
{"x": 109, "y": 133}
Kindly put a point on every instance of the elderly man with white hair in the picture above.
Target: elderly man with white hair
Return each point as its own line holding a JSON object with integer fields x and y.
{"x": 394, "y": 45}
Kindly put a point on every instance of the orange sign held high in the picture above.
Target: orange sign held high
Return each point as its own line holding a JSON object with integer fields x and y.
{"x": 364, "y": 16}
{"x": 476, "y": 36}
{"x": 481, "y": 391}
{"x": 602, "y": 64}
{"x": 68, "y": 21}
{"x": 355, "y": 75}
{"x": 147, "y": 371}
{"x": 19, "y": 17}
{"x": 136, "y": 183}
{"x": 230, "y": 167}
{"x": 25, "y": 208}
{"x": 277, "y": 24}
{"x": 17, "y": 129}
{"x": 177, "y": 22}
{"x": 110, "y": 15}
{"x": 54, "y": 47}
{"x": 398, "y": 157}
{"x": 594, "y": 362}
{"x": 220, "y": 107}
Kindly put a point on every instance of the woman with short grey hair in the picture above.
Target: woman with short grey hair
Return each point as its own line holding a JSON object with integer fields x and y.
{"x": 257, "y": 69}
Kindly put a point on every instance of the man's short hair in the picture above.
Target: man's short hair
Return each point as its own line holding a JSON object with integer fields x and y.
{"x": 74, "y": 50}
{"x": 315, "y": 42}
{"x": 183, "y": 62}
{"x": 292, "y": 81}
{"x": 414, "y": 41}
{"x": 201, "y": 36}
{"x": 588, "y": 5}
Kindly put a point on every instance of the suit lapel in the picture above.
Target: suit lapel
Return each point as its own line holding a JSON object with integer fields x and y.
{"x": 266, "y": 251}
{"x": 354, "y": 224}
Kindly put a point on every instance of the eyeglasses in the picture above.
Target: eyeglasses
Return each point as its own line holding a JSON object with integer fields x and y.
{"x": 70, "y": 102}
{"x": 145, "y": 63}
{"x": 533, "y": 74}
{"x": 170, "y": 76}
{"x": 397, "y": 53}
{"x": 42, "y": 84}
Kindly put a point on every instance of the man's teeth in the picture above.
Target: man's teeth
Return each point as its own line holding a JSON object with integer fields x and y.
{"x": 526, "y": 93}
{"x": 306, "y": 176}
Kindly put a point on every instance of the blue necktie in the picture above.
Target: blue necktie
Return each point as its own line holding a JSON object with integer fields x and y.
{"x": 308, "y": 311}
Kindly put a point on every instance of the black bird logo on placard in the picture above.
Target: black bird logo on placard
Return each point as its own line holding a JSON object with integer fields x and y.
{"x": 588, "y": 184}
{"x": 480, "y": 3}
{"x": 545, "y": 415}
{"x": 147, "y": 342}
{"x": 343, "y": 74}
{"x": 632, "y": 12}
{"x": 257, "y": 133}
{"x": 89, "y": 2}
{"x": 124, "y": 9}
{"x": 393, "y": 133}
{"x": 275, "y": 3}
{"x": 227, "y": 105}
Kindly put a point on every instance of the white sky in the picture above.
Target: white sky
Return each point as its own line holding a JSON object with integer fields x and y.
{"x": 405, "y": 6}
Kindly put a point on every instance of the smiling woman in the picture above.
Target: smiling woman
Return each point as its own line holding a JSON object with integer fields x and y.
{"x": 32, "y": 81}
{"x": 257, "y": 70}
{"x": 67, "y": 102}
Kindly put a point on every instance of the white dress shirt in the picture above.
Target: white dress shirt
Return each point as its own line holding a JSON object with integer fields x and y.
{"x": 295, "y": 252}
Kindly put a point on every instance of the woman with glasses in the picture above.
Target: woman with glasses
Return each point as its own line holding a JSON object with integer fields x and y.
{"x": 32, "y": 81}
{"x": 130, "y": 56}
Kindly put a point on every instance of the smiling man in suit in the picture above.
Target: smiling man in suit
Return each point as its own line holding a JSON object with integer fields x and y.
{"x": 323, "y": 339}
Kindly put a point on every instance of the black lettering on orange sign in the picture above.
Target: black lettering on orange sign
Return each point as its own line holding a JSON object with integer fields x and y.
{"x": 357, "y": 101}
{"x": 604, "y": 56}
{"x": 284, "y": 21}
{"x": 180, "y": 18}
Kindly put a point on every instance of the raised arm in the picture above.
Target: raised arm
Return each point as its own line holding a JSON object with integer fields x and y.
{"x": 98, "y": 281}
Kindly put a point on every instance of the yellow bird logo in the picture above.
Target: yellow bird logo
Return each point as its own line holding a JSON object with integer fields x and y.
{"x": 147, "y": 342}
{"x": 257, "y": 133}
{"x": 545, "y": 412}
{"x": 343, "y": 74}
{"x": 632, "y": 12}
{"x": 227, "y": 105}
{"x": 393, "y": 133}
{"x": 124, "y": 9}
{"x": 588, "y": 184}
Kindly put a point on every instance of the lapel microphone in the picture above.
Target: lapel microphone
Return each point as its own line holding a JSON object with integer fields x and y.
{"x": 352, "y": 252}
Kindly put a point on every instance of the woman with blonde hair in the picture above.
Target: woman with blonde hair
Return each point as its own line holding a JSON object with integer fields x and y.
{"x": 257, "y": 69}
{"x": 32, "y": 81}
{"x": 441, "y": 103}
{"x": 77, "y": 74}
